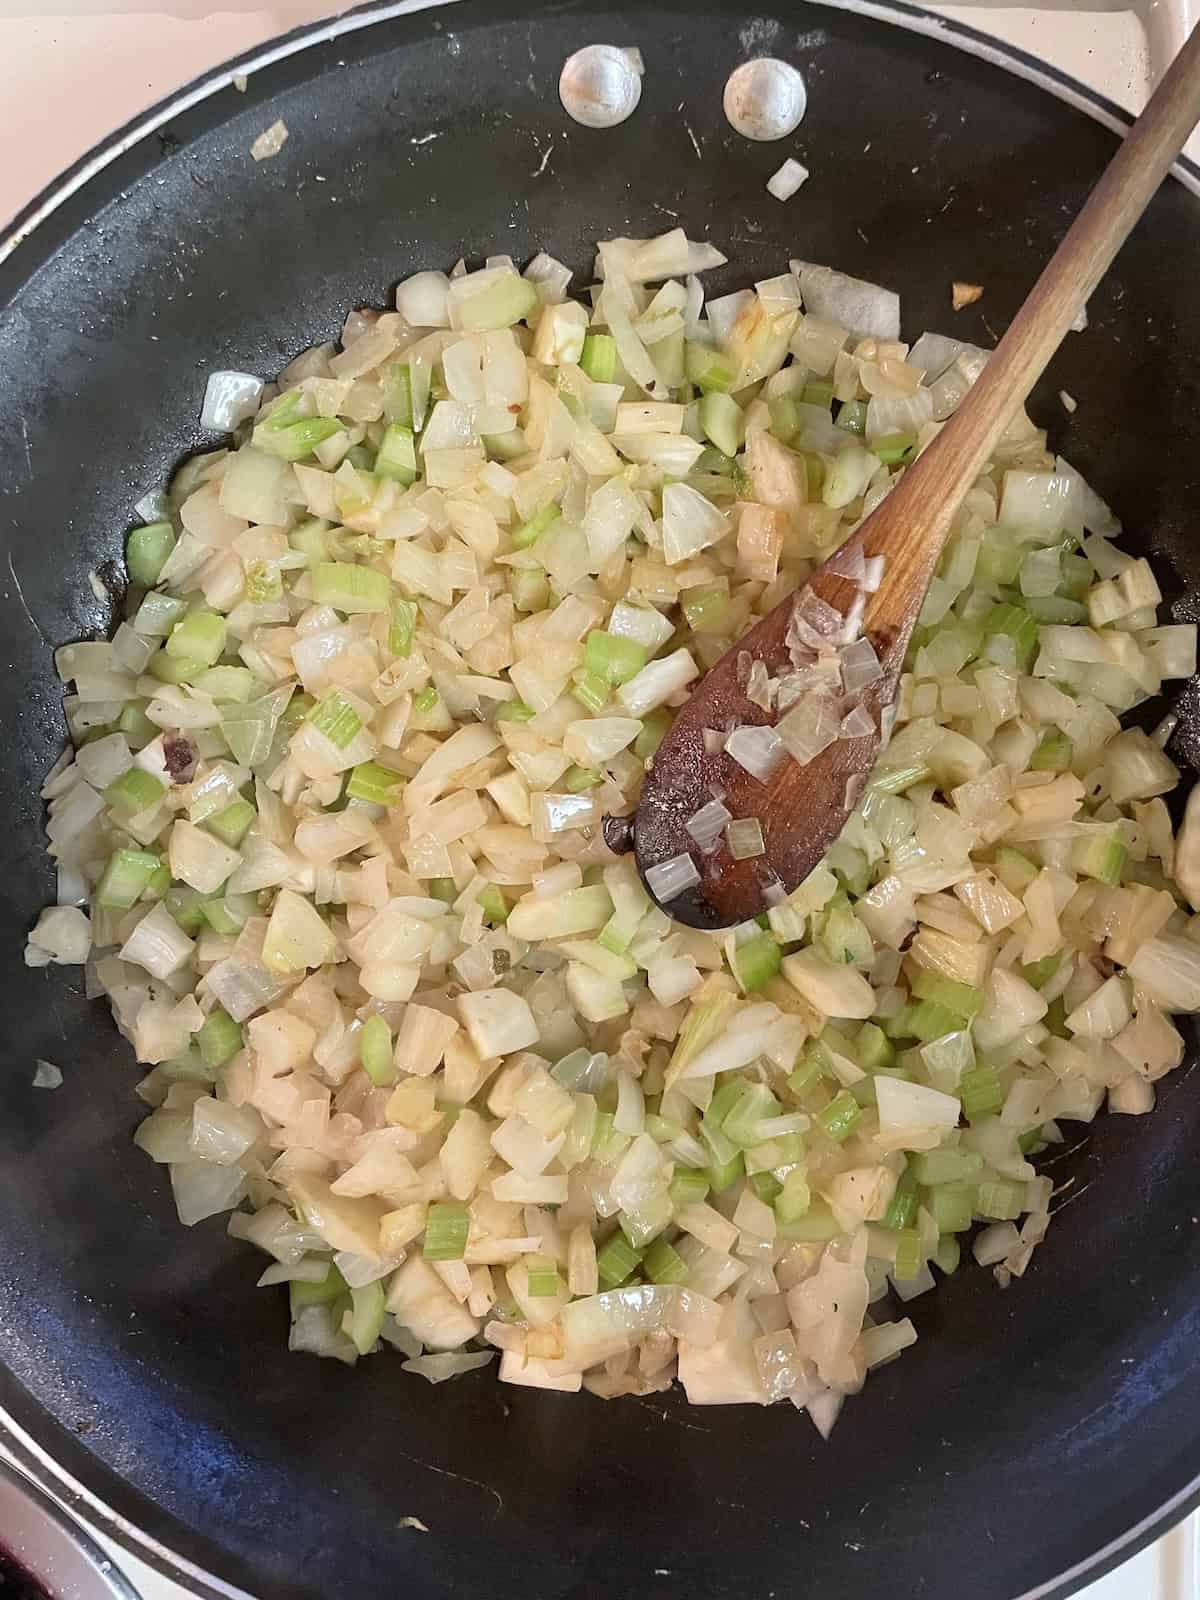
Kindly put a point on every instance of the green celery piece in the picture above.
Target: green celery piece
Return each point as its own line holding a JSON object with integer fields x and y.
{"x": 663, "y": 1263}
{"x": 331, "y": 1288}
{"x": 233, "y": 822}
{"x": 133, "y": 792}
{"x": 1000, "y": 1200}
{"x": 896, "y": 448}
{"x": 612, "y": 657}
{"x": 1053, "y": 754}
{"x": 909, "y": 1259}
{"x": 218, "y": 1038}
{"x": 980, "y": 1092}
{"x": 126, "y": 878}
{"x": 757, "y": 961}
{"x": 146, "y": 552}
{"x": 375, "y": 1052}
{"x": 960, "y": 998}
{"x": 599, "y": 358}
{"x": 722, "y": 421}
{"x": 530, "y": 532}
{"x": 708, "y": 609}
{"x": 297, "y": 440}
{"x": 1020, "y": 627}
{"x": 708, "y": 369}
{"x": 397, "y": 455}
{"x": 446, "y": 1227}
{"x": 617, "y": 1260}
{"x": 852, "y": 415}
{"x": 839, "y": 1117}
{"x": 403, "y": 628}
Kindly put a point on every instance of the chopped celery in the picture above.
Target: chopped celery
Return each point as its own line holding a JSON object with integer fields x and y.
{"x": 818, "y": 392}
{"x": 655, "y": 728}
{"x": 757, "y": 961}
{"x": 617, "y": 1260}
{"x": 909, "y": 1259}
{"x": 227, "y": 914}
{"x": 894, "y": 780}
{"x": 514, "y": 711}
{"x": 1000, "y": 1200}
{"x": 126, "y": 878}
{"x": 404, "y": 626}
{"x": 689, "y": 1187}
{"x": 298, "y": 440}
{"x": 785, "y": 416}
{"x": 934, "y": 1167}
{"x": 232, "y": 823}
{"x": 852, "y": 415}
{"x": 960, "y": 998}
{"x": 331, "y": 1287}
{"x": 495, "y": 906}
{"x": 542, "y": 1276}
{"x": 612, "y": 657}
{"x": 377, "y": 785}
{"x": 1039, "y": 973}
{"x": 350, "y": 589}
{"x": 397, "y": 394}
{"x": 577, "y": 779}
{"x": 599, "y": 358}
{"x": 530, "y": 532}
{"x": 896, "y": 448}
{"x": 200, "y": 636}
{"x": 766, "y": 1186}
{"x": 708, "y": 369}
{"x": 168, "y": 669}
{"x": 980, "y": 1092}
{"x": 146, "y": 552}
{"x": 133, "y": 792}
{"x": 755, "y": 1102}
{"x": 1053, "y": 754}
{"x": 872, "y": 1048}
{"x": 236, "y": 684}
{"x": 708, "y": 609}
{"x": 1018, "y": 625}
{"x": 808, "y": 1072}
{"x": 663, "y": 1263}
{"x": 952, "y": 1206}
{"x": 425, "y": 700}
{"x": 446, "y": 1227}
{"x": 903, "y": 1206}
{"x": 839, "y": 1117}
{"x": 794, "y": 1198}
{"x": 724, "y": 1174}
{"x": 946, "y": 1256}
{"x": 589, "y": 689}
{"x": 187, "y": 907}
{"x": 1101, "y": 857}
{"x": 158, "y": 614}
{"x": 815, "y": 1225}
{"x": 336, "y": 719}
{"x": 136, "y": 725}
{"x": 218, "y": 1038}
{"x": 1015, "y": 871}
{"x": 722, "y": 421}
{"x": 375, "y": 1051}
{"x": 530, "y": 589}
{"x": 368, "y": 1307}
{"x": 397, "y": 456}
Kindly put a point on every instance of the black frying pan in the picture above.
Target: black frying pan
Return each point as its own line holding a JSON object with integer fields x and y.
{"x": 1033, "y": 1438}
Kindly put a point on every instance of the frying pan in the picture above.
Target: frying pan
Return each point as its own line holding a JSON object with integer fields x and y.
{"x": 1033, "y": 1437}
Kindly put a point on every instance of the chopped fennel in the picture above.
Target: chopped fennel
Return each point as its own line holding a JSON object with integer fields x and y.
{"x": 329, "y": 835}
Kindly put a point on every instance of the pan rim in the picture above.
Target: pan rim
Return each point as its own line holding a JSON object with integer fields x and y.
{"x": 33, "y": 1458}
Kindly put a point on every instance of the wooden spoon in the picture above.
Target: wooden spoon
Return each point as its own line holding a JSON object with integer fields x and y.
{"x": 802, "y": 809}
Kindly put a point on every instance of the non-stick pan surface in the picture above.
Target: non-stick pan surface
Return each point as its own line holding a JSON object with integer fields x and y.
{"x": 1032, "y": 1436}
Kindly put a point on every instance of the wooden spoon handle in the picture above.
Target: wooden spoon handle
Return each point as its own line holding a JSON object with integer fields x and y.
{"x": 944, "y": 473}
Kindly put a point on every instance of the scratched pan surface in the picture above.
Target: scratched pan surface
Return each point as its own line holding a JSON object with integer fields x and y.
{"x": 1032, "y": 1437}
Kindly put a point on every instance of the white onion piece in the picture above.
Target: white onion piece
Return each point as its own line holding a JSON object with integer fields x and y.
{"x": 849, "y": 562}
{"x": 784, "y": 183}
{"x": 758, "y": 750}
{"x": 745, "y": 839}
{"x": 707, "y": 825}
{"x": 670, "y": 878}
{"x": 867, "y": 310}
{"x": 230, "y": 398}
{"x": 599, "y": 86}
{"x": 873, "y": 575}
{"x": 765, "y": 99}
{"x": 810, "y": 728}
{"x": 860, "y": 666}
{"x": 47, "y": 1076}
{"x": 852, "y": 626}
{"x": 857, "y": 724}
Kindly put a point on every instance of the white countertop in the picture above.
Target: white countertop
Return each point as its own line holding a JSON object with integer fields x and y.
{"x": 50, "y": 91}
